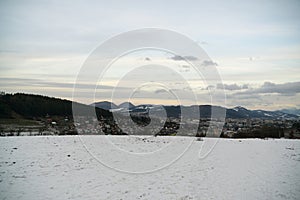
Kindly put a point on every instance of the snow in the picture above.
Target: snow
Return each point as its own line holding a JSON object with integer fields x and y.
{"x": 88, "y": 167}
{"x": 266, "y": 114}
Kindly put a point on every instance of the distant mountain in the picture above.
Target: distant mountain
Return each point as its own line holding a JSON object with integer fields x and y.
{"x": 205, "y": 111}
{"x": 105, "y": 105}
{"x": 263, "y": 114}
{"x": 234, "y": 113}
{"x": 143, "y": 108}
{"x": 126, "y": 105}
{"x": 293, "y": 111}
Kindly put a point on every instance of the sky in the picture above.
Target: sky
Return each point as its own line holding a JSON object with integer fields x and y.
{"x": 254, "y": 45}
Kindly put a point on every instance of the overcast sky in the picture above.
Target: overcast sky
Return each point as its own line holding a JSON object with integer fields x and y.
{"x": 255, "y": 45}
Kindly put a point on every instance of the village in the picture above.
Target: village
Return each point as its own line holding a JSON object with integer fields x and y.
{"x": 232, "y": 128}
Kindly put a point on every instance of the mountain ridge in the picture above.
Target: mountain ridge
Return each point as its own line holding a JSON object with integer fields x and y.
{"x": 30, "y": 105}
{"x": 235, "y": 112}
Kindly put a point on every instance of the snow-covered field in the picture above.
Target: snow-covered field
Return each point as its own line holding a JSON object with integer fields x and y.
{"x": 100, "y": 167}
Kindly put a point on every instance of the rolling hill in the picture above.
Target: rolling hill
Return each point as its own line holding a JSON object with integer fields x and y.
{"x": 19, "y": 105}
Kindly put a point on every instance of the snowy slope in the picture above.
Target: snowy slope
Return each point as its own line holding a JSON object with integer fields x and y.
{"x": 62, "y": 168}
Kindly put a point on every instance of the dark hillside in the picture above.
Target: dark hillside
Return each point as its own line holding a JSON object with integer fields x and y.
{"x": 21, "y": 105}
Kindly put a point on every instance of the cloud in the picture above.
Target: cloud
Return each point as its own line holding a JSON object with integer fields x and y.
{"x": 185, "y": 68}
{"x": 160, "y": 91}
{"x": 206, "y": 63}
{"x": 232, "y": 86}
{"x": 253, "y": 58}
{"x": 177, "y": 58}
{"x": 18, "y": 82}
{"x": 286, "y": 89}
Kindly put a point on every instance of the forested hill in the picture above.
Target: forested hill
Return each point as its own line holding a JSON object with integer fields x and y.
{"x": 21, "y": 105}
